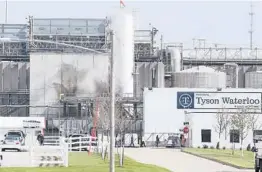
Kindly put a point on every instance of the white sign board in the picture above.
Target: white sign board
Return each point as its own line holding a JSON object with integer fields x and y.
{"x": 22, "y": 122}
{"x": 219, "y": 100}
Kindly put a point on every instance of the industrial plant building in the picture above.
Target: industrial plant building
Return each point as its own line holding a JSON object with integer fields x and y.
{"x": 58, "y": 68}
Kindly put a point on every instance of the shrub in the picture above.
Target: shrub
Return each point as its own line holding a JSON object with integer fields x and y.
{"x": 218, "y": 145}
{"x": 198, "y": 147}
{"x": 224, "y": 147}
{"x": 212, "y": 147}
{"x": 205, "y": 146}
{"x": 240, "y": 148}
{"x": 248, "y": 147}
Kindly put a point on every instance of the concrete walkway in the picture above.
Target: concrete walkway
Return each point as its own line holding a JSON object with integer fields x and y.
{"x": 177, "y": 161}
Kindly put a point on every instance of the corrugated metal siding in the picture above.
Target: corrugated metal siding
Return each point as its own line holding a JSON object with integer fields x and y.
{"x": 253, "y": 80}
{"x": 199, "y": 79}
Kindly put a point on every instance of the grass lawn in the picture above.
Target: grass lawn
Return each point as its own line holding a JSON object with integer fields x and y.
{"x": 226, "y": 156}
{"x": 82, "y": 162}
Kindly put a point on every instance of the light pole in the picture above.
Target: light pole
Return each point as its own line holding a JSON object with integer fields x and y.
{"x": 112, "y": 106}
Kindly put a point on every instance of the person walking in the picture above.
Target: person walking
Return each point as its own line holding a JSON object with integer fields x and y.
{"x": 40, "y": 139}
{"x": 132, "y": 142}
{"x": 157, "y": 140}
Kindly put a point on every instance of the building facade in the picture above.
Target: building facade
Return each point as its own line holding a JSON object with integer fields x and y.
{"x": 166, "y": 110}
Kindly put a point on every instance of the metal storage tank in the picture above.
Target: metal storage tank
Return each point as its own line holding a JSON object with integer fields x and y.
{"x": 1, "y": 76}
{"x": 253, "y": 79}
{"x": 22, "y": 82}
{"x": 150, "y": 75}
{"x": 231, "y": 70}
{"x": 199, "y": 77}
{"x": 123, "y": 47}
{"x": 10, "y": 76}
{"x": 28, "y": 75}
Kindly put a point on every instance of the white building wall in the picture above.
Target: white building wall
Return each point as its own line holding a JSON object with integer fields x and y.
{"x": 162, "y": 116}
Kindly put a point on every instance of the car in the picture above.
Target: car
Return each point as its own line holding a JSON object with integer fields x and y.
{"x": 12, "y": 143}
{"x": 17, "y": 133}
{"x": 173, "y": 141}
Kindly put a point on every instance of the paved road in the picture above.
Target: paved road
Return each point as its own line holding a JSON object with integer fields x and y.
{"x": 176, "y": 161}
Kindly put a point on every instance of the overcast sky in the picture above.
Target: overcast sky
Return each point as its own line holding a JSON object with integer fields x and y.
{"x": 218, "y": 22}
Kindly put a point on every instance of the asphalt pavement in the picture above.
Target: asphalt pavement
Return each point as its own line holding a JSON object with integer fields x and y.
{"x": 177, "y": 161}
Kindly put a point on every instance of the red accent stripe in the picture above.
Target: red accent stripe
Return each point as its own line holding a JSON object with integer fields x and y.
{"x": 93, "y": 132}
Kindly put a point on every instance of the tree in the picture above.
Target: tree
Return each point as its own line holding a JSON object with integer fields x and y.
{"x": 220, "y": 123}
{"x": 227, "y": 122}
{"x": 254, "y": 123}
{"x": 240, "y": 121}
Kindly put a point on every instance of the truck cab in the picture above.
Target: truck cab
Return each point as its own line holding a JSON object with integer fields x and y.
{"x": 258, "y": 151}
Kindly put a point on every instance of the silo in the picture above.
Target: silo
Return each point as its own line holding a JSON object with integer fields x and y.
{"x": 28, "y": 76}
{"x": 199, "y": 77}
{"x": 123, "y": 47}
{"x": 6, "y": 76}
{"x": 22, "y": 70}
{"x": 160, "y": 75}
{"x": 231, "y": 70}
{"x": 175, "y": 63}
{"x": 1, "y": 76}
{"x": 14, "y": 76}
{"x": 151, "y": 75}
{"x": 253, "y": 79}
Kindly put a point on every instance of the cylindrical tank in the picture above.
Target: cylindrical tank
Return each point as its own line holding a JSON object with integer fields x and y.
{"x": 199, "y": 77}
{"x": 22, "y": 85}
{"x": 10, "y": 76}
{"x": 253, "y": 79}
{"x": 175, "y": 59}
{"x": 123, "y": 47}
{"x": 231, "y": 70}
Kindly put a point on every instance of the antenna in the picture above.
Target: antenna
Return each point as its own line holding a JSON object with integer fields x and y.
{"x": 251, "y": 31}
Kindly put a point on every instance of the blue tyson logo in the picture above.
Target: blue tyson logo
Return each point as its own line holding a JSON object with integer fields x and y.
{"x": 185, "y": 100}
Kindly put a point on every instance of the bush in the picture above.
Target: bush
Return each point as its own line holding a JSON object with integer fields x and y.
{"x": 240, "y": 148}
{"x": 198, "y": 147}
{"x": 212, "y": 147}
{"x": 248, "y": 147}
{"x": 218, "y": 145}
{"x": 224, "y": 147}
{"x": 205, "y": 146}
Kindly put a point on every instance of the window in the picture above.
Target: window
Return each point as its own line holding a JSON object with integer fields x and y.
{"x": 234, "y": 136}
{"x": 257, "y": 132}
{"x": 206, "y": 135}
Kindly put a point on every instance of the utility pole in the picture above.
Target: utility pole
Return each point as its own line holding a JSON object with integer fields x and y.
{"x": 6, "y": 8}
{"x": 251, "y": 31}
{"x": 112, "y": 106}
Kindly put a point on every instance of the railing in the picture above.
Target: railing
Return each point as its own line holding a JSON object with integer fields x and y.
{"x": 85, "y": 143}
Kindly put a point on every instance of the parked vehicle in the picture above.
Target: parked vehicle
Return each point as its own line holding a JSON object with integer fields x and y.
{"x": 16, "y": 133}
{"x": 258, "y": 150}
{"x": 10, "y": 141}
{"x": 173, "y": 141}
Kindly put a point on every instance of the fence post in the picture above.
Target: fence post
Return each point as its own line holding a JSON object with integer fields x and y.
{"x": 80, "y": 144}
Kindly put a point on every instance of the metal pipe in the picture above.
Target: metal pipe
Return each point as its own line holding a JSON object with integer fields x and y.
{"x": 112, "y": 107}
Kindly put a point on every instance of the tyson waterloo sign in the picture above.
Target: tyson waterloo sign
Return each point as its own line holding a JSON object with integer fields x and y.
{"x": 218, "y": 100}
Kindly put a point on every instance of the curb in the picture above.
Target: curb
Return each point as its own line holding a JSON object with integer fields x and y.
{"x": 218, "y": 161}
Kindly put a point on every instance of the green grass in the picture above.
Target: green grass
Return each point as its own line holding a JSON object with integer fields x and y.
{"x": 226, "y": 156}
{"x": 82, "y": 162}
